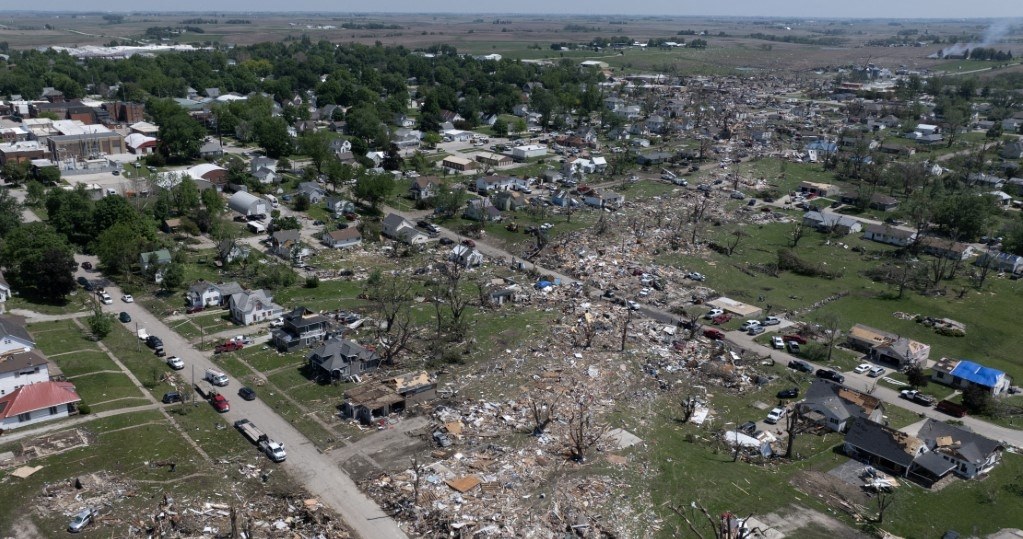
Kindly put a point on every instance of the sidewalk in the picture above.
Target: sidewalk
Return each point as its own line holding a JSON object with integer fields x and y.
{"x": 13, "y": 436}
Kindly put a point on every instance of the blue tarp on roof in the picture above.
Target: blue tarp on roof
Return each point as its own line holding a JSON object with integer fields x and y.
{"x": 977, "y": 373}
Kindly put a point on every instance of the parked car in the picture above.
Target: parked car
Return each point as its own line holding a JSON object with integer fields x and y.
{"x": 793, "y": 347}
{"x": 756, "y": 330}
{"x": 770, "y": 321}
{"x": 721, "y": 319}
{"x": 82, "y": 281}
{"x": 171, "y": 397}
{"x": 794, "y": 338}
{"x": 124, "y": 317}
{"x": 775, "y": 415}
{"x": 951, "y": 408}
{"x": 127, "y": 298}
{"x": 160, "y": 352}
{"x": 695, "y": 276}
{"x": 800, "y": 365}
{"x": 862, "y": 368}
{"x": 789, "y": 393}
{"x": 175, "y": 363}
{"x": 633, "y": 306}
{"x": 749, "y": 324}
{"x": 876, "y": 372}
{"x": 154, "y": 342}
{"x": 713, "y": 312}
{"x": 105, "y": 298}
{"x": 86, "y": 265}
{"x": 829, "y": 374}
{"x": 713, "y": 334}
{"x": 81, "y": 520}
{"x": 747, "y": 428}
{"x": 247, "y": 393}
{"x": 777, "y": 343}
{"x": 916, "y": 396}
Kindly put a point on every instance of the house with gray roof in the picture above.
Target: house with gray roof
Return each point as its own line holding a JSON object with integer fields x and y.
{"x": 252, "y": 307}
{"x": 14, "y": 335}
{"x": 206, "y": 294}
{"x": 302, "y": 327}
{"x": 834, "y": 405}
{"x": 970, "y": 453}
{"x": 831, "y": 223}
{"x": 398, "y": 228}
{"x": 339, "y": 358}
{"x": 20, "y": 368}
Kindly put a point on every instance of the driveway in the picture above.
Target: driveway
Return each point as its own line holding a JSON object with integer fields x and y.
{"x": 317, "y": 472}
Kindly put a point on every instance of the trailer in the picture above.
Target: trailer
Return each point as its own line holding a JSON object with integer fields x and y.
{"x": 214, "y": 397}
{"x": 274, "y": 450}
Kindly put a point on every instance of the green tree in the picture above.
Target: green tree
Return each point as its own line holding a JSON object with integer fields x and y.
{"x": 977, "y": 399}
{"x": 500, "y": 127}
{"x": 35, "y": 193}
{"x": 272, "y": 135}
{"x": 964, "y": 216}
{"x": 111, "y": 210}
{"x": 180, "y": 137}
{"x": 118, "y": 247}
{"x": 213, "y": 202}
{"x": 70, "y": 214}
{"x": 173, "y": 276}
{"x": 48, "y": 175}
{"x": 39, "y": 261}
{"x": 186, "y": 195}
{"x": 15, "y": 172}
{"x": 10, "y": 213}
{"x": 373, "y": 188}
{"x": 316, "y": 145}
{"x": 100, "y": 323}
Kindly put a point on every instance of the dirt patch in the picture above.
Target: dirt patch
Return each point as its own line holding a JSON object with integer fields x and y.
{"x": 24, "y": 528}
{"x": 796, "y": 518}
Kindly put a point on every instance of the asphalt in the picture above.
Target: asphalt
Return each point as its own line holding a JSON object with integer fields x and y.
{"x": 317, "y": 472}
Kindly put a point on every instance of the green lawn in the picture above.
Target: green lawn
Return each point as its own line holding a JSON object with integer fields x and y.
{"x": 59, "y": 337}
{"x": 107, "y": 386}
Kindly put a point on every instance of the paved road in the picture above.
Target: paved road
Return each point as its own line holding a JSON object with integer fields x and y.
{"x": 316, "y": 471}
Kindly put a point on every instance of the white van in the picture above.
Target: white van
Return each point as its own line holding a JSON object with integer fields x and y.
{"x": 272, "y": 200}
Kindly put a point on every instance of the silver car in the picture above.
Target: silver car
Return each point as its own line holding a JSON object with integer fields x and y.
{"x": 81, "y": 520}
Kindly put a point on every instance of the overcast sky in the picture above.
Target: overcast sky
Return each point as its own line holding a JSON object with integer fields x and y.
{"x": 781, "y": 8}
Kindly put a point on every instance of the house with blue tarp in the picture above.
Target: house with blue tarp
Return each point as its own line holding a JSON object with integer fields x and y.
{"x": 962, "y": 373}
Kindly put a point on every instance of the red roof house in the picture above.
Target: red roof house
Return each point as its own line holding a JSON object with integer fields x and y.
{"x": 37, "y": 402}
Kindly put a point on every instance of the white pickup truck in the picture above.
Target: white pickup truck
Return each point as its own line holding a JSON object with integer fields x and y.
{"x": 274, "y": 450}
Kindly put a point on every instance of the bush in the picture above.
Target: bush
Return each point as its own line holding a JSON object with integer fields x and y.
{"x": 84, "y": 409}
{"x": 100, "y": 324}
{"x": 312, "y": 282}
{"x": 788, "y": 260}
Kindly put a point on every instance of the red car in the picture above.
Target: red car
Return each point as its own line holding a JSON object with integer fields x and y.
{"x": 220, "y": 403}
{"x": 794, "y": 338}
{"x": 713, "y": 334}
{"x": 229, "y": 346}
{"x": 720, "y": 319}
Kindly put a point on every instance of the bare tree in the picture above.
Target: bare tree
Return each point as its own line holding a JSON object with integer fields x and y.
{"x": 417, "y": 471}
{"x": 543, "y": 411}
{"x": 583, "y": 431}
{"x": 390, "y": 295}
{"x": 797, "y": 233}
{"x": 395, "y": 339}
{"x": 588, "y": 330}
{"x": 737, "y": 236}
{"x": 696, "y": 216}
{"x": 980, "y": 276}
{"x": 884, "y": 500}
{"x": 792, "y": 425}
{"x": 722, "y": 528}
{"x": 625, "y": 326}
{"x": 830, "y": 325}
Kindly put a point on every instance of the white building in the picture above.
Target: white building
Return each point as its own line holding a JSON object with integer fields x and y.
{"x": 247, "y": 204}
{"x": 529, "y": 151}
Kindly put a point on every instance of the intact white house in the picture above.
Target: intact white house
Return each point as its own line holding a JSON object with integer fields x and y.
{"x": 21, "y": 368}
{"x": 252, "y": 307}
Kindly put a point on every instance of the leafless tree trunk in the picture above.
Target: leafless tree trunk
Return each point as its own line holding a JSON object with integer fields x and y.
{"x": 884, "y": 501}
{"x": 830, "y": 325}
{"x": 544, "y": 411}
{"x": 417, "y": 469}
{"x": 583, "y": 431}
{"x": 980, "y": 276}
{"x": 797, "y": 233}
{"x": 395, "y": 339}
{"x": 625, "y": 326}
{"x": 737, "y": 236}
{"x": 792, "y": 424}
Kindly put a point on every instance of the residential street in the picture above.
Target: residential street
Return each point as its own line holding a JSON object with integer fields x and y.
{"x": 316, "y": 471}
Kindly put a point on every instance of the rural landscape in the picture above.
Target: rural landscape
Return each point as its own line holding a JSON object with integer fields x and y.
{"x": 330, "y": 275}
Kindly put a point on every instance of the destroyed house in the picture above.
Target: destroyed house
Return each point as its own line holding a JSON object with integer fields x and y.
{"x": 834, "y": 406}
{"x": 970, "y": 453}
{"x": 887, "y": 348}
{"x": 375, "y": 400}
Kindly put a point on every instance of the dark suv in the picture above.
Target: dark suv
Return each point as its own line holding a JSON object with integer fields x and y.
{"x": 829, "y": 374}
{"x": 154, "y": 342}
{"x": 800, "y": 365}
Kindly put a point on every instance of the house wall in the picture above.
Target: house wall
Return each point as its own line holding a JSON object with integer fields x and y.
{"x": 38, "y": 416}
{"x": 9, "y": 381}
{"x": 254, "y": 316}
